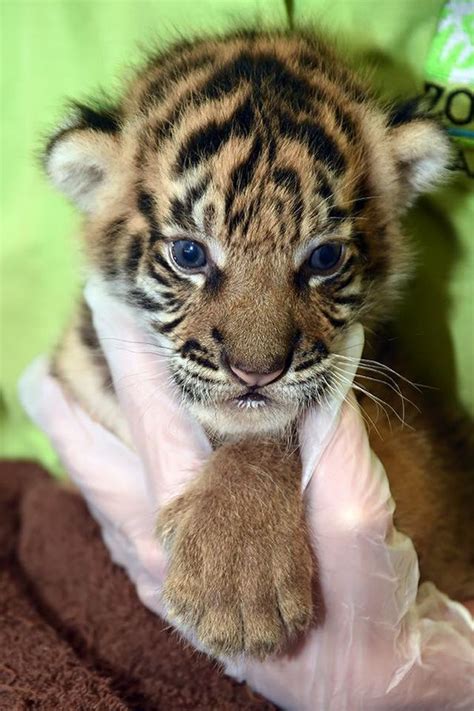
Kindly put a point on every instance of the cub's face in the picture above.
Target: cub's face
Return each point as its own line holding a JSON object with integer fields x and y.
{"x": 245, "y": 198}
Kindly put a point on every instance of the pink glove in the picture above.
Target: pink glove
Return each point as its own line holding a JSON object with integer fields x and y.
{"x": 383, "y": 644}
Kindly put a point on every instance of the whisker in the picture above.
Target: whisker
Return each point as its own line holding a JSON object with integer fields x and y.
{"x": 377, "y": 401}
{"x": 139, "y": 343}
{"x": 395, "y": 389}
{"x": 365, "y": 416}
{"x": 391, "y": 384}
{"x": 383, "y": 404}
{"x": 366, "y": 362}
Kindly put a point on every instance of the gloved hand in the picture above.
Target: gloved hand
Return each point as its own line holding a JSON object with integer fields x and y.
{"x": 383, "y": 644}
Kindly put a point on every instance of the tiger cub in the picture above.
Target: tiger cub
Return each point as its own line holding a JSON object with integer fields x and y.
{"x": 245, "y": 196}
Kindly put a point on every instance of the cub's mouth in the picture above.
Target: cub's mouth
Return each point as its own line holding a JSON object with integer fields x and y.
{"x": 250, "y": 399}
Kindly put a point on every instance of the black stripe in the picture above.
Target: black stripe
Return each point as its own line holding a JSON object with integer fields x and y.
{"x": 168, "y": 327}
{"x": 181, "y": 209}
{"x": 306, "y": 364}
{"x": 202, "y": 361}
{"x": 337, "y": 75}
{"x": 346, "y": 123}
{"x": 339, "y": 285}
{"x": 321, "y": 146}
{"x": 135, "y": 253}
{"x": 165, "y": 127}
{"x": 105, "y": 119}
{"x": 271, "y": 147}
{"x": 243, "y": 217}
{"x": 170, "y": 271}
{"x": 181, "y": 216}
{"x": 155, "y": 236}
{"x": 203, "y": 145}
{"x": 243, "y": 173}
{"x": 297, "y": 214}
{"x": 145, "y": 204}
{"x": 89, "y": 338}
{"x": 297, "y": 211}
{"x": 405, "y": 111}
{"x": 295, "y": 339}
{"x": 217, "y": 335}
{"x": 87, "y": 331}
{"x": 209, "y": 217}
{"x": 192, "y": 345}
{"x": 179, "y": 68}
{"x": 171, "y": 307}
{"x": 362, "y": 196}
{"x": 337, "y": 280}
{"x": 114, "y": 229}
{"x": 240, "y": 216}
{"x": 350, "y": 299}
{"x": 112, "y": 233}
{"x": 196, "y": 192}
{"x": 170, "y": 295}
{"x": 324, "y": 189}
{"x": 360, "y": 241}
{"x": 279, "y": 209}
{"x": 268, "y": 74}
{"x": 320, "y": 348}
{"x": 301, "y": 279}
{"x": 336, "y": 322}
{"x": 207, "y": 141}
{"x": 186, "y": 389}
{"x": 201, "y": 378}
{"x": 158, "y": 277}
{"x": 163, "y": 263}
{"x": 337, "y": 213}
{"x": 235, "y": 220}
{"x": 214, "y": 281}
{"x": 139, "y": 298}
{"x": 252, "y": 210}
{"x": 288, "y": 179}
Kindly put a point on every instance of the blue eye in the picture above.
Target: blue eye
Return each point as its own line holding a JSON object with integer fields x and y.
{"x": 326, "y": 258}
{"x": 189, "y": 254}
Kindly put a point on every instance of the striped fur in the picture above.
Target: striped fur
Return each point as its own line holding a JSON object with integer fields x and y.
{"x": 260, "y": 146}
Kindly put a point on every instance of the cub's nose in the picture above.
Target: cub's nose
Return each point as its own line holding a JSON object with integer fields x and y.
{"x": 255, "y": 380}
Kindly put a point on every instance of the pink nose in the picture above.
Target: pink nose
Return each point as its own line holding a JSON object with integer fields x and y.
{"x": 256, "y": 379}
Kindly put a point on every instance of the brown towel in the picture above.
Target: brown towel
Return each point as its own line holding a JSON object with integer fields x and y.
{"x": 73, "y": 634}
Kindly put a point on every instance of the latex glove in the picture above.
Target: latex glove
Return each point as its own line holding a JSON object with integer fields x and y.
{"x": 381, "y": 646}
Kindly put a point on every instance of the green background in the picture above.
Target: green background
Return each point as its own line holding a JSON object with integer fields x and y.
{"x": 60, "y": 49}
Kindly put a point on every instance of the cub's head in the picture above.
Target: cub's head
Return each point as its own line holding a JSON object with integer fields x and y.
{"x": 245, "y": 197}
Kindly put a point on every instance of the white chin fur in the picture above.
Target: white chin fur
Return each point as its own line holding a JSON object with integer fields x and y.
{"x": 244, "y": 419}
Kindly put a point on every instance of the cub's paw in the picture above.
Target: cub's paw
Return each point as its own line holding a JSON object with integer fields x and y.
{"x": 234, "y": 583}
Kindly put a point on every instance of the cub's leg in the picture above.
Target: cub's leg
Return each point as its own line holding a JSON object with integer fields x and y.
{"x": 240, "y": 568}
{"x": 80, "y": 365}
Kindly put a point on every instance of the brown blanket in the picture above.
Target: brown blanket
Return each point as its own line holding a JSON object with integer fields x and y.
{"x": 73, "y": 634}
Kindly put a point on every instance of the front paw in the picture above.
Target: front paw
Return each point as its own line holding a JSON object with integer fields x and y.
{"x": 238, "y": 583}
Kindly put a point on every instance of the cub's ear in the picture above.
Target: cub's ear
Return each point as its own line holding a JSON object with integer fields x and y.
{"x": 80, "y": 157}
{"x": 421, "y": 150}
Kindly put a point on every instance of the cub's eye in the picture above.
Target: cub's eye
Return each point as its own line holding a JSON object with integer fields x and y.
{"x": 188, "y": 254}
{"x": 326, "y": 258}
